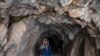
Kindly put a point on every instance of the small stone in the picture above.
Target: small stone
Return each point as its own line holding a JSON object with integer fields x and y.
{"x": 96, "y": 6}
{"x": 8, "y": 1}
{"x": 80, "y": 2}
{"x": 45, "y": 19}
{"x": 27, "y": 1}
{"x": 61, "y": 10}
{"x": 3, "y": 5}
{"x": 96, "y": 19}
{"x": 65, "y": 2}
{"x": 32, "y": 1}
{"x": 22, "y": 10}
{"x": 75, "y": 12}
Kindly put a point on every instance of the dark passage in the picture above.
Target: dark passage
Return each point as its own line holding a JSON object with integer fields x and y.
{"x": 55, "y": 41}
{"x": 2, "y": 0}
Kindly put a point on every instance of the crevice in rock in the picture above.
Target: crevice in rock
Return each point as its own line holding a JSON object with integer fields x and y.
{"x": 15, "y": 19}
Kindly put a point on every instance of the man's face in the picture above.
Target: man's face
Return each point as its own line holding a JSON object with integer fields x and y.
{"x": 45, "y": 42}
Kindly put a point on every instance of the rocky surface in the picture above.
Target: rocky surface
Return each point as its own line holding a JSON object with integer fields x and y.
{"x": 23, "y": 21}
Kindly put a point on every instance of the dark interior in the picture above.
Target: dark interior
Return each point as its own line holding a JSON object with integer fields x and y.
{"x": 2, "y": 0}
{"x": 55, "y": 41}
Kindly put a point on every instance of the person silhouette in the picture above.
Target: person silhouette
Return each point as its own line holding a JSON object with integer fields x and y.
{"x": 45, "y": 48}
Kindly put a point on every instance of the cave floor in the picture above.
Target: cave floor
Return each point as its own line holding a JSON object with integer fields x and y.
{"x": 56, "y": 55}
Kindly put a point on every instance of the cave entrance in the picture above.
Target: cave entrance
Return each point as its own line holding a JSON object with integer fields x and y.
{"x": 55, "y": 41}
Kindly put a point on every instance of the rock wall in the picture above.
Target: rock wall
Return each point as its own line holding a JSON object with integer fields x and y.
{"x": 23, "y": 21}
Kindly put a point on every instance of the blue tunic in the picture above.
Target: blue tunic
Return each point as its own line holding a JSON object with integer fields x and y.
{"x": 47, "y": 52}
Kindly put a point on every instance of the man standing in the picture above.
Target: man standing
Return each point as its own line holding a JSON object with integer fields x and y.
{"x": 45, "y": 48}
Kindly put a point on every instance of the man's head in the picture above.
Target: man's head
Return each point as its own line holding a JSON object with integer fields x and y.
{"x": 45, "y": 42}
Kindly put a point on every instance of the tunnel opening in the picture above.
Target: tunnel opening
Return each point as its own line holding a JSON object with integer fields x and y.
{"x": 55, "y": 42}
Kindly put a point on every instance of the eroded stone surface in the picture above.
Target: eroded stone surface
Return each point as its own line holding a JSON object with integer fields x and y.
{"x": 3, "y": 35}
{"x": 89, "y": 48}
{"x": 97, "y": 43}
{"x": 22, "y": 22}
